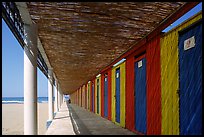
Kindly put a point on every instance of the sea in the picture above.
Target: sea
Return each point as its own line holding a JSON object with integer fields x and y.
{"x": 20, "y": 100}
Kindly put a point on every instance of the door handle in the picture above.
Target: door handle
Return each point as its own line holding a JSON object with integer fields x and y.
{"x": 178, "y": 91}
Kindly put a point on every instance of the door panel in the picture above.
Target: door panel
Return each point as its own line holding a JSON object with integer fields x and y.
{"x": 140, "y": 96}
{"x": 97, "y": 97}
{"x": 117, "y": 76}
{"x": 106, "y": 96}
{"x": 93, "y": 98}
{"x": 190, "y": 81}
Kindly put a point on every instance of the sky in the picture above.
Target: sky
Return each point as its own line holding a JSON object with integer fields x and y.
{"x": 13, "y": 61}
{"x": 13, "y": 67}
{"x": 187, "y": 15}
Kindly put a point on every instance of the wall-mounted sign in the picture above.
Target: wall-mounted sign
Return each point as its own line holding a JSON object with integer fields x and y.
{"x": 117, "y": 75}
{"x": 140, "y": 64}
{"x": 189, "y": 43}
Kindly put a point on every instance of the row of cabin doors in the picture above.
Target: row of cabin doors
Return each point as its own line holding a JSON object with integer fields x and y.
{"x": 190, "y": 85}
{"x": 190, "y": 90}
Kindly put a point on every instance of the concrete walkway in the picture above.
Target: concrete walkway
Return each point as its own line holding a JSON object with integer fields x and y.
{"x": 88, "y": 123}
{"x": 72, "y": 119}
{"x": 61, "y": 125}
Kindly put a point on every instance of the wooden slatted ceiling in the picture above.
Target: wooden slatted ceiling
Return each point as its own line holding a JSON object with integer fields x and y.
{"x": 81, "y": 38}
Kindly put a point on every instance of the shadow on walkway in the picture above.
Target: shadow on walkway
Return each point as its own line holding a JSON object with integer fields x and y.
{"x": 88, "y": 123}
{"x": 78, "y": 125}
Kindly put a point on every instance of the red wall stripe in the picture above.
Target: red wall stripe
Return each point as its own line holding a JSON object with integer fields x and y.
{"x": 153, "y": 87}
{"x": 130, "y": 93}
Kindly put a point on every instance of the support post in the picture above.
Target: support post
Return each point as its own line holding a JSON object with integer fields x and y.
{"x": 60, "y": 98}
{"x": 50, "y": 98}
{"x": 30, "y": 80}
{"x": 56, "y": 97}
{"x": 58, "y": 93}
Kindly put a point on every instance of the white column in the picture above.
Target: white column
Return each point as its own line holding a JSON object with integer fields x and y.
{"x": 50, "y": 95}
{"x": 56, "y": 97}
{"x": 58, "y": 93}
{"x": 30, "y": 80}
{"x": 60, "y": 98}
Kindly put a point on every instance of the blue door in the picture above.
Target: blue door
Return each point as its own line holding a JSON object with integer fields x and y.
{"x": 97, "y": 96}
{"x": 117, "y": 97}
{"x": 93, "y": 97}
{"x": 106, "y": 96}
{"x": 140, "y": 96}
{"x": 190, "y": 81}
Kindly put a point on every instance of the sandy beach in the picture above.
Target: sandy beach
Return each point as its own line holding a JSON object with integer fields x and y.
{"x": 13, "y": 122}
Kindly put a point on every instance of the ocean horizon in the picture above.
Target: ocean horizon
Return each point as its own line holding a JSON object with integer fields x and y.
{"x": 20, "y": 100}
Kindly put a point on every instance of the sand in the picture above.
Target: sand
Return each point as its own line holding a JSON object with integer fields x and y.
{"x": 13, "y": 122}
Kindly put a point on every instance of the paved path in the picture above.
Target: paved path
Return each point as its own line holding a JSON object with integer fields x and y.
{"x": 61, "y": 125}
{"x": 88, "y": 123}
{"x": 74, "y": 120}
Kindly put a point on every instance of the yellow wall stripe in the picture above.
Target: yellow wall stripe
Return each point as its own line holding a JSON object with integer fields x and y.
{"x": 113, "y": 95}
{"x": 99, "y": 96}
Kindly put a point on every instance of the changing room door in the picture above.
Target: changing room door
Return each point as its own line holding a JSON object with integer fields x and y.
{"x": 106, "y": 96}
{"x": 140, "y": 96}
{"x": 97, "y": 97}
{"x": 117, "y": 99}
{"x": 190, "y": 80}
{"x": 93, "y": 97}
